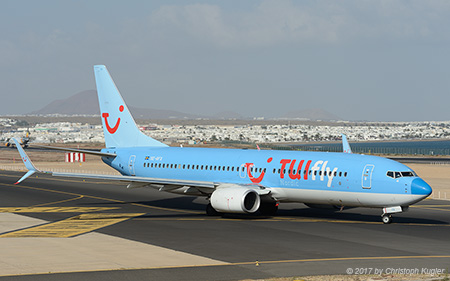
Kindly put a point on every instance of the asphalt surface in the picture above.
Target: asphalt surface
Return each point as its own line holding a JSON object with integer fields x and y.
{"x": 299, "y": 241}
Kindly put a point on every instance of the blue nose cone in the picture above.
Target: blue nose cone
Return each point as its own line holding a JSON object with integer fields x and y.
{"x": 420, "y": 187}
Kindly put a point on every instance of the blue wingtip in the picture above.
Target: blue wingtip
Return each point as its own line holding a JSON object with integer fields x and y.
{"x": 29, "y": 173}
{"x": 345, "y": 145}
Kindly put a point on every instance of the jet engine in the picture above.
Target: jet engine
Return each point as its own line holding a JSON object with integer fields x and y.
{"x": 235, "y": 199}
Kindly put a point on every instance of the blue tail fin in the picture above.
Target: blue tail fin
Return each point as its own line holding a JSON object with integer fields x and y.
{"x": 119, "y": 127}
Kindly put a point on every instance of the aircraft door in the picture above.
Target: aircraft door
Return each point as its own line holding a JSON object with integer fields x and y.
{"x": 367, "y": 176}
{"x": 131, "y": 164}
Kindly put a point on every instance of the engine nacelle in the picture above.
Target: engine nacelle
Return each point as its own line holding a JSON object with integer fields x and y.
{"x": 235, "y": 199}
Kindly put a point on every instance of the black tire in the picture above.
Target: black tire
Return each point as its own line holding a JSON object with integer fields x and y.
{"x": 268, "y": 209}
{"x": 387, "y": 219}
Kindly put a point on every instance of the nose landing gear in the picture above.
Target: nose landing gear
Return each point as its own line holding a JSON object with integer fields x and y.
{"x": 386, "y": 217}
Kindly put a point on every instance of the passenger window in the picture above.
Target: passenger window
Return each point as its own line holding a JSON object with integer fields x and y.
{"x": 232, "y": 169}
{"x": 345, "y": 174}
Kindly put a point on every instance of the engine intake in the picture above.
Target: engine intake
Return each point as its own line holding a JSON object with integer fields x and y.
{"x": 235, "y": 199}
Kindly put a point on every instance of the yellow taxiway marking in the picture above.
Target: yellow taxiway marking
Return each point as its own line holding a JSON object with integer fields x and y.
{"x": 430, "y": 206}
{"x": 259, "y": 263}
{"x": 339, "y": 259}
{"x": 58, "y": 202}
{"x": 72, "y": 226}
{"x": 55, "y": 209}
{"x": 104, "y": 199}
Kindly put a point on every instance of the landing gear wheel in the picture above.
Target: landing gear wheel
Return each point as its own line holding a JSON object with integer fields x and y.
{"x": 210, "y": 211}
{"x": 268, "y": 209}
{"x": 386, "y": 219}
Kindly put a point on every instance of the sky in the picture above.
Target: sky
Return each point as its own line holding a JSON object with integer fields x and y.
{"x": 360, "y": 60}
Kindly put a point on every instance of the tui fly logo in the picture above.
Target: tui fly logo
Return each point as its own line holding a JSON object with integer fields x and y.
{"x": 108, "y": 127}
{"x": 304, "y": 170}
{"x": 249, "y": 166}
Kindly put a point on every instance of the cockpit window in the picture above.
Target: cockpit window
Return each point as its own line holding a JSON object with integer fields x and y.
{"x": 407, "y": 174}
{"x": 396, "y": 175}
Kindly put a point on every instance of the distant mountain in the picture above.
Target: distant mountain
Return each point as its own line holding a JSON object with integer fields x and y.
{"x": 228, "y": 115}
{"x": 86, "y": 103}
{"x": 312, "y": 114}
{"x": 83, "y": 103}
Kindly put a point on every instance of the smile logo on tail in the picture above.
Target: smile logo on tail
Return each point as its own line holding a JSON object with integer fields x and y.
{"x": 113, "y": 129}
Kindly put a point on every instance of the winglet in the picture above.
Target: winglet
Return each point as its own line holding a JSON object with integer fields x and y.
{"x": 345, "y": 145}
{"x": 26, "y": 160}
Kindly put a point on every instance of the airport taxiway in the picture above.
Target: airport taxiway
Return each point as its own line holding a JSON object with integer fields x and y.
{"x": 53, "y": 228}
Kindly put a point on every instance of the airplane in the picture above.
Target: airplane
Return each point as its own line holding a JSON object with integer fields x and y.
{"x": 244, "y": 181}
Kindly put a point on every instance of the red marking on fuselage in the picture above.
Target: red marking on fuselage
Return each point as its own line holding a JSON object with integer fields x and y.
{"x": 251, "y": 177}
{"x": 283, "y": 163}
{"x": 307, "y": 169}
{"x": 298, "y": 175}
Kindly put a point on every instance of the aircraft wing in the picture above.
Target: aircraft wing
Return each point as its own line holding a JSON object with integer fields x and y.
{"x": 97, "y": 153}
{"x": 190, "y": 187}
{"x": 203, "y": 187}
{"x": 141, "y": 181}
